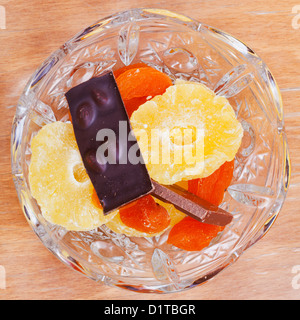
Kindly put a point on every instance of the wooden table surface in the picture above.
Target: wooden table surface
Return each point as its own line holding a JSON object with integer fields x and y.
{"x": 268, "y": 270}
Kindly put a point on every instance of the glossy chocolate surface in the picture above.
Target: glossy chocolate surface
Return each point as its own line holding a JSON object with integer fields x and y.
{"x": 96, "y": 105}
{"x": 192, "y": 205}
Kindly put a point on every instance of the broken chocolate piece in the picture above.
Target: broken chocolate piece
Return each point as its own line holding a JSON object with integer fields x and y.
{"x": 191, "y": 205}
{"x": 95, "y": 105}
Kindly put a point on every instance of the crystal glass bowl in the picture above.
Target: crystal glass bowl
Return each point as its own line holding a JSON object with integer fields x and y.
{"x": 186, "y": 49}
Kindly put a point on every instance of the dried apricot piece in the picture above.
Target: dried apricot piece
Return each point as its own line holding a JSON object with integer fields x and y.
{"x": 192, "y": 235}
{"x": 145, "y": 215}
{"x": 212, "y": 188}
{"x": 117, "y": 225}
{"x": 142, "y": 82}
{"x": 133, "y": 104}
{"x": 138, "y": 82}
{"x": 126, "y": 68}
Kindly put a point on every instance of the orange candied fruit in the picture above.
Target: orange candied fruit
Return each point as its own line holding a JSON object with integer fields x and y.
{"x": 192, "y": 235}
{"x": 212, "y": 188}
{"x": 145, "y": 215}
{"x": 126, "y": 68}
{"x": 95, "y": 199}
{"x": 139, "y": 82}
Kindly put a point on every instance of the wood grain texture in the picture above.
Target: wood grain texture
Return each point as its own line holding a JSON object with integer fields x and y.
{"x": 34, "y": 29}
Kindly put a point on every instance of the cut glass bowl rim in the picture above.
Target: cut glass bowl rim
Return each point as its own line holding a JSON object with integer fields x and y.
{"x": 17, "y": 151}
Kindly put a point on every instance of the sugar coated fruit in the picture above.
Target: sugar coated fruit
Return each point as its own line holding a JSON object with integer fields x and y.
{"x": 215, "y": 133}
{"x": 59, "y": 182}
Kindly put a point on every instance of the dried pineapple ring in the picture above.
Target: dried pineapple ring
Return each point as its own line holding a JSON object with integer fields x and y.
{"x": 59, "y": 182}
{"x": 215, "y": 133}
{"x": 118, "y": 226}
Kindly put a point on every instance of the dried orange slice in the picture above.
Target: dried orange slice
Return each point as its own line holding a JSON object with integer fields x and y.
{"x": 118, "y": 226}
{"x": 214, "y": 133}
{"x": 59, "y": 182}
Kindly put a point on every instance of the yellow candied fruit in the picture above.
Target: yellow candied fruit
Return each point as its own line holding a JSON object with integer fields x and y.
{"x": 59, "y": 182}
{"x": 213, "y": 132}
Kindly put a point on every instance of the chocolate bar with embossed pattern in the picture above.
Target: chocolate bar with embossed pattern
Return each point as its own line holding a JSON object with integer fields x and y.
{"x": 97, "y": 107}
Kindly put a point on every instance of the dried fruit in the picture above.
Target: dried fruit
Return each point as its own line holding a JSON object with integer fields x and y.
{"x": 133, "y": 104}
{"x": 59, "y": 182}
{"x": 139, "y": 82}
{"x": 192, "y": 235}
{"x": 118, "y": 226}
{"x": 216, "y": 134}
{"x": 212, "y": 188}
{"x": 126, "y": 68}
{"x": 145, "y": 215}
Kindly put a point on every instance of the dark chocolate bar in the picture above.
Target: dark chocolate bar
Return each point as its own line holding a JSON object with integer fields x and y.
{"x": 95, "y": 105}
{"x": 192, "y": 205}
